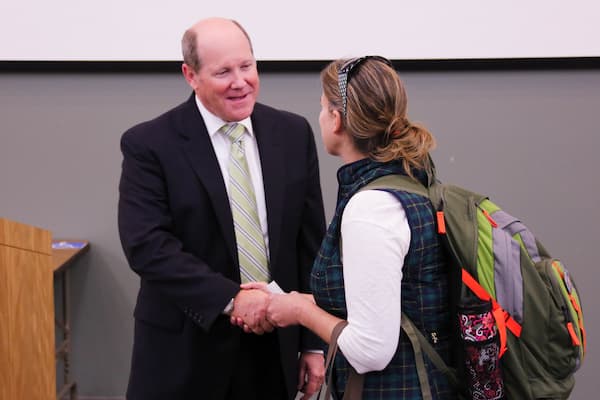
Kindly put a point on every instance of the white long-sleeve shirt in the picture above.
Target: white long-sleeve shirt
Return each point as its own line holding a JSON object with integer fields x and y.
{"x": 375, "y": 240}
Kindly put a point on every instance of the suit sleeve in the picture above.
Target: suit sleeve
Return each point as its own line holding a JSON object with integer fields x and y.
{"x": 150, "y": 244}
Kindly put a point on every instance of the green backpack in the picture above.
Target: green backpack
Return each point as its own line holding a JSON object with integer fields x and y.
{"x": 510, "y": 297}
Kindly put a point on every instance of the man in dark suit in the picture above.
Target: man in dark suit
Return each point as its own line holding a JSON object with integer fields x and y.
{"x": 177, "y": 231}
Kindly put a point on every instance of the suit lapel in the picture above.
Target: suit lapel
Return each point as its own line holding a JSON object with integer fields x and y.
{"x": 272, "y": 159}
{"x": 199, "y": 151}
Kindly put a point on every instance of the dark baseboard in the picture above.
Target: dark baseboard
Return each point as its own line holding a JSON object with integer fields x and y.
{"x": 504, "y": 64}
{"x": 101, "y": 398}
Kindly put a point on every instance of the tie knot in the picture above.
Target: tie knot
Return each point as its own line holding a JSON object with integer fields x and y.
{"x": 233, "y": 131}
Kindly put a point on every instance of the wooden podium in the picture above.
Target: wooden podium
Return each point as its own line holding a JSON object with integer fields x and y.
{"x": 27, "y": 331}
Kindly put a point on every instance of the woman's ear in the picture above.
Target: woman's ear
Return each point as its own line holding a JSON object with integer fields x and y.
{"x": 337, "y": 122}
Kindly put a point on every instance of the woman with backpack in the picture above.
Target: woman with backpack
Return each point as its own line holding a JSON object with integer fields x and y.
{"x": 381, "y": 256}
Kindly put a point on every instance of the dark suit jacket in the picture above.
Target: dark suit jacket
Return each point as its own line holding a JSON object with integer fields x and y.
{"x": 177, "y": 232}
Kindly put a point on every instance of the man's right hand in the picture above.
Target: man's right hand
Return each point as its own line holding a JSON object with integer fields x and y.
{"x": 250, "y": 307}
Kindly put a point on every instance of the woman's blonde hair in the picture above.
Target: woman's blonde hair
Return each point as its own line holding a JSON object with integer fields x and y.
{"x": 375, "y": 115}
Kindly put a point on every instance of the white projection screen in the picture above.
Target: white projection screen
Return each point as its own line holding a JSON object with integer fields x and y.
{"x": 150, "y": 30}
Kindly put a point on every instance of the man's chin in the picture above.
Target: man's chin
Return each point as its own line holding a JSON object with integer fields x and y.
{"x": 239, "y": 114}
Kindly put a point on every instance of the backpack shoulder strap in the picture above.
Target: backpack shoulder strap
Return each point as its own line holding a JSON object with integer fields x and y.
{"x": 435, "y": 191}
{"x": 399, "y": 182}
{"x": 420, "y": 345}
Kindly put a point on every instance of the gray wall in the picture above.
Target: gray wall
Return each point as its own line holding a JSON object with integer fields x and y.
{"x": 527, "y": 138}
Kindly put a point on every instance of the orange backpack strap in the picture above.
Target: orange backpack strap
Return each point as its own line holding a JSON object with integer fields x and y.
{"x": 503, "y": 319}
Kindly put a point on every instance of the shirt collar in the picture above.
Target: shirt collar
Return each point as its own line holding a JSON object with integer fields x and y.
{"x": 214, "y": 123}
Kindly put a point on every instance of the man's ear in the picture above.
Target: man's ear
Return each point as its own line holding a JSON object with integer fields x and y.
{"x": 188, "y": 74}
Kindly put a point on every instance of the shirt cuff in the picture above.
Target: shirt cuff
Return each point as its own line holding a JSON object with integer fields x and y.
{"x": 228, "y": 308}
{"x": 316, "y": 351}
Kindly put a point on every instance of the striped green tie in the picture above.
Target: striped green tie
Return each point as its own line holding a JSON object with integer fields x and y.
{"x": 248, "y": 233}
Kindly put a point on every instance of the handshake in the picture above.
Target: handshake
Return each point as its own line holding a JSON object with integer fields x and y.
{"x": 260, "y": 307}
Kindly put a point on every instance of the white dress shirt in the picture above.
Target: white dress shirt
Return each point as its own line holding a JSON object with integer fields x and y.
{"x": 222, "y": 145}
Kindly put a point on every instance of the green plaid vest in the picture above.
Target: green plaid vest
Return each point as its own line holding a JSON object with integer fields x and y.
{"x": 424, "y": 288}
